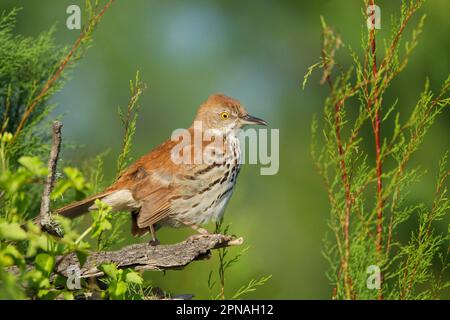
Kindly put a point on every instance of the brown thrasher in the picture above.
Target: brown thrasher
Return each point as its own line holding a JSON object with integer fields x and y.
{"x": 160, "y": 190}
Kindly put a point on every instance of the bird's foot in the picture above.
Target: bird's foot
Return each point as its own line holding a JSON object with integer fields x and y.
{"x": 154, "y": 242}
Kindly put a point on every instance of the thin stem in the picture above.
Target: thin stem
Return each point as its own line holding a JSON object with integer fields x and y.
{"x": 83, "y": 235}
{"x": 344, "y": 177}
{"x": 374, "y": 103}
{"x": 52, "y": 165}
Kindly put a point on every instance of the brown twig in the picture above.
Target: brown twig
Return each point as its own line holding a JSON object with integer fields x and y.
{"x": 373, "y": 102}
{"x": 52, "y": 164}
{"x": 344, "y": 176}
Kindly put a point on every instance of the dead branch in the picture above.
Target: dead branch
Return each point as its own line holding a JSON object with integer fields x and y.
{"x": 52, "y": 163}
{"x": 44, "y": 218}
{"x": 145, "y": 257}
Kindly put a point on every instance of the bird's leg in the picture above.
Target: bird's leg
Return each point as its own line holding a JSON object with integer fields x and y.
{"x": 154, "y": 241}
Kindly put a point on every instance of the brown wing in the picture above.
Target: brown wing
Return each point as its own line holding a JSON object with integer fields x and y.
{"x": 150, "y": 179}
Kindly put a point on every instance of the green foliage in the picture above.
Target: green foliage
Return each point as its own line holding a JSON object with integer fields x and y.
{"x": 32, "y": 70}
{"x": 251, "y": 286}
{"x": 74, "y": 180}
{"x": 20, "y": 244}
{"x": 20, "y": 183}
{"x": 16, "y": 190}
{"x": 129, "y": 119}
{"x": 122, "y": 284}
{"x": 225, "y": 263}
{"x": 26, "y": 63}
{"x": 369, "y": 189}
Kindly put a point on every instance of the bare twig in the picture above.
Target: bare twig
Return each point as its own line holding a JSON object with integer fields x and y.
{"x": 52, "y": 164}
{"x": 44, "y": 218}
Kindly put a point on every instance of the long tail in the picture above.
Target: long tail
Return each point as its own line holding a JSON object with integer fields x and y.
{"x": 81, "y": 207}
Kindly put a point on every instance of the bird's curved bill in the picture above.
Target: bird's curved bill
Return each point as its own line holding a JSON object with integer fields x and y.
{"x": 248, "y": 119}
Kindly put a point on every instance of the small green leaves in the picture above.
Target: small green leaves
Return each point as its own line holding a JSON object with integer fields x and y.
{"x": 129, "y": 119}
{"x": 74, "y": 179}
{"x": 251, "y": 286}
{"x": 6, "y": 137}
{"x": 120, "y": 282}
{"x": 11, "y": 290}
{"x": 45, "y": 263}
{"x": 133, "y": 277}
{"x": 102, "y": 217}
{"x": 82, "y": 256}
{"x": 109, "y": 269}
{"x": 33, "y": 165}
{"x": 309, "y": 72}
{"x": 11, "y": 256}
{"x": 12, "y": 231}
{"x": 118, "y": 290}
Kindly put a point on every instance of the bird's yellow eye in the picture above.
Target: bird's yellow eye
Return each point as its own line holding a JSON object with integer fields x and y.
{"x": 224, "y": 115}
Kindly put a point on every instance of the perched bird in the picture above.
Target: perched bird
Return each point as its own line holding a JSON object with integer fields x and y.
{"x": 159, "y": 190}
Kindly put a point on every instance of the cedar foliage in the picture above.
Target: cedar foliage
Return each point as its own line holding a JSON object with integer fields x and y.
{"x": 26, "y": 63}
{"x": 369, "y": 195}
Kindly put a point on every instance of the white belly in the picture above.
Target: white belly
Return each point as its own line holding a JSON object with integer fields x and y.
{"x": 210, "y": 205}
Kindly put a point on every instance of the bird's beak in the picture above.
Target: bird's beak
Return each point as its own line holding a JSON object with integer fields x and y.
{"x": 248, "y": 119}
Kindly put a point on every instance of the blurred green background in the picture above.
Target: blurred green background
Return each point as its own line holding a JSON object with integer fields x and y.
{"x": 258, "y": 52}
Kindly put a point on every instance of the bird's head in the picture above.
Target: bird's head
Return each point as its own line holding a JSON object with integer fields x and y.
{"x": 225, "y": 114}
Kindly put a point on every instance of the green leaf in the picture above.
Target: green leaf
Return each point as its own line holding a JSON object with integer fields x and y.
{"x": 45, "y": 263}
{"x": 12, "y": 182}
{"x": 82, "y": 256}
{"x": 133, "y": 277}
{"x": 12, "y": 231}
{"x": 45, "y": 294}
{"x": 34, "y": 165}
{"x": 109, "y": 269}
{"x": 10, "y": 288}
{"x": 41, "y": 241}
{"x": 37, "y": 279}
{"x": 120, "y": 291}
{"x": 99, "y": 227}
{"x": 75, "y": 177}
{"x": 11, "y": 256}
{"x": 68, "y": 295}
{"x": 59, "y": 189}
